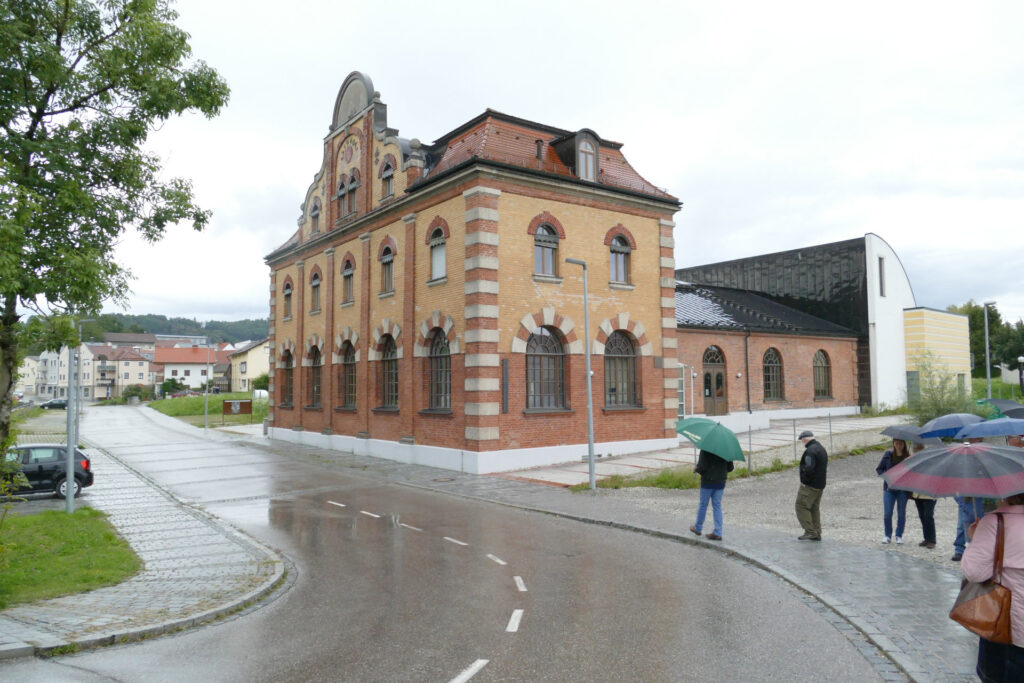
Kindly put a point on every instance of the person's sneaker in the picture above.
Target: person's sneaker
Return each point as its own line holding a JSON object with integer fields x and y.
{"x": 693, "y": 529}
{"x": 713, "y": 537}
{"x": 808, "y": 536}
{"x": 886, "y": 539}
{"x": 899, "y": 540}
{"x": 956, "y": 557}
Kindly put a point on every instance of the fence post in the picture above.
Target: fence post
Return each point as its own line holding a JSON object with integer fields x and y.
{"x": 831, "y": 446}
{"x": 750, "y": 449}
{"x": 794, "y": 439}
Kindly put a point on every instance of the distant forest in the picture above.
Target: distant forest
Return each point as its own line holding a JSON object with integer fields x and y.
{"x": 215, "y": 330}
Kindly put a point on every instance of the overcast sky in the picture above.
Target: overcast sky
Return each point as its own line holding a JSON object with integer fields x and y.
{"x": 778, "y": 124}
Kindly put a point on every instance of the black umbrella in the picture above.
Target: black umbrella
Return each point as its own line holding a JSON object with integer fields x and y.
{"x": 1004, "y": 404}
{"x": 909, "y": 433}
{"x": 1014, "y": 412}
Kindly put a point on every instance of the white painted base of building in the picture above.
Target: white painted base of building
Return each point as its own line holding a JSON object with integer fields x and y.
{"x": 473, "y": 462}
{"x": 761, "y": 419}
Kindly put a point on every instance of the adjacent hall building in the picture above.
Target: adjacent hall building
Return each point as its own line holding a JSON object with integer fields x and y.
{"x": 425, "y": 310}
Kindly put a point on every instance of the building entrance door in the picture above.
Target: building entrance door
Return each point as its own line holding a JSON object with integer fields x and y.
{"x": 716, "y": 401}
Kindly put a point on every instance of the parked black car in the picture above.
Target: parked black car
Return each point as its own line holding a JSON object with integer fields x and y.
{"x": 54, "y": 403}
{"x": 44, "y": 466}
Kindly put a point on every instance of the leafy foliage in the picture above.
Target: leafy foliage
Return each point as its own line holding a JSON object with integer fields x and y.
{"x": 83, "y": 84}
{"x": 976, "y": 324}
{"x": 261, "y": 382}
{"x": 939, "y": 393}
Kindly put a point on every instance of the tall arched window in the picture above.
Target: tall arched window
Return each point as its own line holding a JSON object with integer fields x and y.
{"x": 341, "y": 195}
{"x": 545, "y": 370}
{"x": 347, "y": 288}
{"x": 440, "y": 371}
{"x": 314, "y": 293}
{"x": 438, "y": 269}
{"x": 288, "y": 385}
{"x": 619, "y": 259}
{"x": 387, "y": 270}
{"x": 822, "y": 375}
{"x": 772, "y": 363}
{"x": 347, "y": 385}
{"x": 545, "y": 251}
{"x": 350, "y": 201}
{"x": 620, "y": 386}
{"x": 314, "y": 216}
{"x": 316, "y": 366}
{"x": 387, "y": 181}
{"x": 286, "y": 300}
{"x": 587, "y": 167}
{"x": 389, "y": 373}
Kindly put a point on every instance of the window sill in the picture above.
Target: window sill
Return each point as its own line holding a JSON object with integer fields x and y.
{"x": 315, "y": 311}
{"x": 627, "y": 286}
{"x": 623, "y": 409}
{"x": 286, "y": 318}
{"x": 385, "y": 409}
{"x": 343, "y": 409}
{"x": 548, "y": 411}
{"x": 346, "y": 304}
{"x": 550, "y": 279}
{"x": 439, "y": 412}
{"x": 285, "y": 406}
{"x": 386, "y": 295}
{"x": 824, "y": 398}
{"x": 437, "y": 281}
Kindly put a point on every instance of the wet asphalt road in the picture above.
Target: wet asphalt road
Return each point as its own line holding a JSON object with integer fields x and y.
{"x": 391, "y": 583}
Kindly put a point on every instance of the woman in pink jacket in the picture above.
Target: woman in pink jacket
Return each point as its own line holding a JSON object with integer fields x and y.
{"x": 1001, "y": 662}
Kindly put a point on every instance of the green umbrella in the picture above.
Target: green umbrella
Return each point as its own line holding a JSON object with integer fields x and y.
{"x": 712, "y": 437}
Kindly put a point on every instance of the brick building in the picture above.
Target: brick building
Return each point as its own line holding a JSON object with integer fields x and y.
{"x": 424, "y": 310}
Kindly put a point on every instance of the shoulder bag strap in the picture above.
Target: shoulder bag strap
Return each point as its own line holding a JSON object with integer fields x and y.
{"x": 997, "y": 568}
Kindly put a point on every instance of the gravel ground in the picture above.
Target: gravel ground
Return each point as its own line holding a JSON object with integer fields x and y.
{"x": 851, "y": 507}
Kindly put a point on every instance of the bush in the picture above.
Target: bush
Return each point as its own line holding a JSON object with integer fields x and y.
{"x": 939, "y": 394}
{"x": 144, "y": 393}
{"x": 261, "y": 382}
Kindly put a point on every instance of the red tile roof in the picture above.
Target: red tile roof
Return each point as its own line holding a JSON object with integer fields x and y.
{"x": 198, "y": 355}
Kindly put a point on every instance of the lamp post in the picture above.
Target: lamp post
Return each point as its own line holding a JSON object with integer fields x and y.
{"x": 1020, "y": 373}
{"x": 590, "y": 393}
{"x": 988, "y": 361}
{"x": 206, "y": 396}
{"x": 74, "y": 384}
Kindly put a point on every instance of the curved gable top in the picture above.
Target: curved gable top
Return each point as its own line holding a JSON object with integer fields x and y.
{"x": 355, "y": 95}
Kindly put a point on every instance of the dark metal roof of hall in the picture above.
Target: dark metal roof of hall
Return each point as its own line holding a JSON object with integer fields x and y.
{"x": 724, "y": 308}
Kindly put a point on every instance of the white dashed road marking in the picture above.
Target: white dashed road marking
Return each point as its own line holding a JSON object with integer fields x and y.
{"x": 513, "y": 622}
{"x": 519, "y": 584}
{"x": 369, "y": 514}
{"x": 470, "y": 671}
{"x": 407, "y": 526}
{"x": 497, "y": 559}
{"x": 454, "y": 540}
{"x": 341, "y": 505}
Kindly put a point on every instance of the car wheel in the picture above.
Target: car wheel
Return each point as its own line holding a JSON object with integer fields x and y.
{"x": 62, "y": 488}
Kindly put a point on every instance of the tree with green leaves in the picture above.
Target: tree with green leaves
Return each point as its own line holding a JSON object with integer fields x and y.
{"x": 82, "y": 84}
{"x": 976, "y": 324}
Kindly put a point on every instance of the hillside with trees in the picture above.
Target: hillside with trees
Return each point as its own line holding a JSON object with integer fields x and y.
{"x": 215, "y": 330}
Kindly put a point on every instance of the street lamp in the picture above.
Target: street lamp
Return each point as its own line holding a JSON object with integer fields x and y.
{"x": 586, "y": 349}
{"x": 1020, "y": 373}
{"x": 74, "y": 384}
{"x": 988, "y": 361}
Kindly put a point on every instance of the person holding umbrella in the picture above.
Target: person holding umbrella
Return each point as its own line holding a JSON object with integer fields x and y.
{"x": 713, "y": 473}
{"x": 893, "y": 497}
{"x": 925, "y": 510}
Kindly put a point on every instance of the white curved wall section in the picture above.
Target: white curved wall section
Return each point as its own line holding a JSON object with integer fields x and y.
{"x": 889, "y": 292}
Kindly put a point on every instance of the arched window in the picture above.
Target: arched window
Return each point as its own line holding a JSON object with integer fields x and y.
{"x": 314, "y": 216}
{"x": 286, "y": 295}
{"x": 341, "y": 195}
{"x": 389, "y": 373}
{"x": 288, "y": 385}
{"x": 440, "y": 371}
{"x": 587, "y": 167}
{"x": 619, "y": 259}
{"x": 350, "y": 201}
{"x": 387, "y": 181}
{"x": 314, "y": 293}
{"x": 347, "y": 385}
{"x": 316, "y": 366}
{"x": 545, "y": 250}
{"x": 822, "y": 375}
{"x": 620, "y": 387}
{"x": 545, "y": 370}
{"x": 387, "y": 270}
{"x": 437, "y": 255}
{"x": 347, "y": 288}
{"x": 772, "y": 364}
{"x": 713, "y": 356}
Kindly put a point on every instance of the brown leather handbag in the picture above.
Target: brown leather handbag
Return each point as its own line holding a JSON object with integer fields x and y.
{"x": 984, "y": 608}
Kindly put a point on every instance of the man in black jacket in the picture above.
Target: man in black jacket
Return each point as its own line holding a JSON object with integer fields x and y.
{"x": 813, "y": 466}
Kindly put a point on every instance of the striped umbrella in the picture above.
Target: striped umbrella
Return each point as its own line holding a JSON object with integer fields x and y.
{"x": 962, "y": 469}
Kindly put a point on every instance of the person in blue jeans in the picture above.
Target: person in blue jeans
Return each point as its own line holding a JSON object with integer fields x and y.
{"x": 713, "y": 472}
{"x": 969, "y": 510}
{"x": 893, "y": 498}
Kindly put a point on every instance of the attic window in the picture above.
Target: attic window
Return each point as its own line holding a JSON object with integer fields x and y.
{"x": 586, "y": 163}
{"x": 387, "y": 179}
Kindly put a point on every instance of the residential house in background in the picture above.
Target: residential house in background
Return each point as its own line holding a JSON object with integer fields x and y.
{"x": 28, "y": 374}
{"x": 429, "y": 308}
{"x": 937, "y": 341}
{"x": 249, "y": 362}
{"x": 191, "y": 366}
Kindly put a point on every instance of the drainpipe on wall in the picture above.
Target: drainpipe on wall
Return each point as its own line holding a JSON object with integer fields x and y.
{"x": 746, "y": 360}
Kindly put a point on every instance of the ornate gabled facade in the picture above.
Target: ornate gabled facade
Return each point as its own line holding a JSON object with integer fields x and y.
{"x": 424, "y": 310}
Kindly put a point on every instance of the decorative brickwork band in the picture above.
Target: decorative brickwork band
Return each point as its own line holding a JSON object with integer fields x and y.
{"x": 547, "y": 317}
{"x": 315, "y": 340}
{"x": 438, "y": 222}
{"x": 619, "y": 229}
{"x": 546, "y": 218}
{"x": 424, "y": 338}
{"x": 286, "y": 346}
{"x": 376, "y": 346}
{"x": 346, "y": 335}
{"x": 634, "y": 328}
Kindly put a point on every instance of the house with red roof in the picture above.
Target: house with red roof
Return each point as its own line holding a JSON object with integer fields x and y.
{"x": 192, "y": 365}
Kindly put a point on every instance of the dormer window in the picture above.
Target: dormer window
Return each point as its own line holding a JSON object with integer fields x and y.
{"x": 586, "y": 163}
